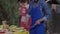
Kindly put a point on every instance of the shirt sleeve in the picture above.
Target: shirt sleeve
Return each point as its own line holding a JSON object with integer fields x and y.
{"x": 47, "y": 11}
{"x": 28, "y": 15}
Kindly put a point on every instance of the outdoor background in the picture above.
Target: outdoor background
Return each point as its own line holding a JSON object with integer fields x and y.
{"x": 9, "y": 11}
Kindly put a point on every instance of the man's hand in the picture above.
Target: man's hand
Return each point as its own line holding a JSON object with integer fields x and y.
{"x": 39, "y": 21}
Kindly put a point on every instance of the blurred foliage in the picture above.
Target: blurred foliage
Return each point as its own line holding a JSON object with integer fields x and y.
{"x": 10, "y": 8}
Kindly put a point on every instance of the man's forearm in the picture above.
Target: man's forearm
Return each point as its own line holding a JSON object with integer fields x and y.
{"x": 42, "y": 19}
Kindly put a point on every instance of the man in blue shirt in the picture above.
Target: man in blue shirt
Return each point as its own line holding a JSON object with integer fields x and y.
{"x": 38, "y": 16}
